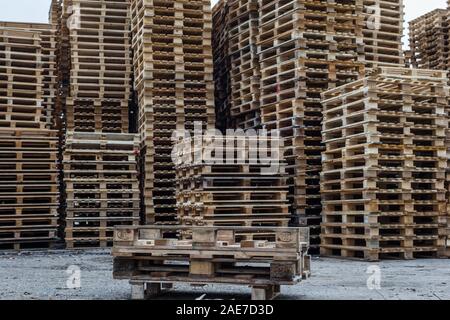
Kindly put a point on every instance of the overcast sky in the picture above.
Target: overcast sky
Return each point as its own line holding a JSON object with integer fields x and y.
{"x": 37, "y": 10}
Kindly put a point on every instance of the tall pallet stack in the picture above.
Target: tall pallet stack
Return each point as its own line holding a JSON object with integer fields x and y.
{"x": 222, "y": 65}
{"x": 243, "y": 193}
{"x": 99, "y": 156}
{"x": 447, "y": 187}
{"x": 305, "y": 48}
{"x": 448, "y": 147}
{"x": 173, "y": 70}
{"x": 49, "y": 78}
{"x": 60, "y": 14}
{"x": 382, "y": 33}
{"x": 28, "y": 149}
{"x": 429, "y": 37}
{"x": 245, "y": 74}
{"x": 428, "y": 40}
{"x": 100, "y": 66}
{"x": 448, "y": 34}
{"x": 384, "y": 166}
{"x": 101, "y": 185}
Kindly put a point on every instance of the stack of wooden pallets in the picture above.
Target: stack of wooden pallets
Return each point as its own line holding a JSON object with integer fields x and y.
{"x": 95, "y": 72}
{"x": 59, "y": 15}
{"x": 384, "y": 166}
{"x": 428, "y": 40}
{"x": 150, "y": 261}
{"x": 446, "y": 232}
{"x": 304, "y": 49}
{"x": 48, "y": 65}
{"x": 222, "y": 65}
{"x": 382, "y": 33}
{"x": 28, "y": 188}
{"x": 448, "y": 28}
{"x": 101, "y": 185}
{"x": 100, "y": 66}
{"x": 21, "y": 86}
{"x": 242, "y": 192}
{"x": 28, "y": 149}
{"x": 173, "y": 70}
{"x": 245, "y": 75}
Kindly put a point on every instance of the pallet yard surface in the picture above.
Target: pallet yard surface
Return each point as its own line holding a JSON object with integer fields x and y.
{"x": 143, "y": 256}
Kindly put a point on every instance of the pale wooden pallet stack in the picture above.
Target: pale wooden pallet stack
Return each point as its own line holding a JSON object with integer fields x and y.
{"x": 95, "y": 72}
{"x": 245, "y": 74}
{"x": 222, "y": 64}
{"x": 22, "y": 88}
{"x": 304, "y": 51}
{"x": 448, "y": 34}
{"x": 99, "y": 39}
{"x": 29, "y": 195}
{"x": 446, "y": 232}
{"x": 173, "y": 70}
{"x": 428, "y": 40}
{"x": 384, "y": 166}
{"x": 101, "y": 185}
{"x": 28, "y": 184}
{"x": 245, "y": 193}
{"x": 382, "y": 33}
{"x": 429, "y": 37}
{"x": 448, "y": 149}
{"x": 59, "y": 15}
{"x": 48, "y": 60}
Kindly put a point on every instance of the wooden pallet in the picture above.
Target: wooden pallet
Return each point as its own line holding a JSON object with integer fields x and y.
{"x": 143, "y": 255}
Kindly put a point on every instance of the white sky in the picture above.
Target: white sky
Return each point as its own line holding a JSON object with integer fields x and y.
{"x": 37, "y": 10}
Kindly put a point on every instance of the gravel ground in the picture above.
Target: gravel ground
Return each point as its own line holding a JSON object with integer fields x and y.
{"x": 44, "y": 275}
